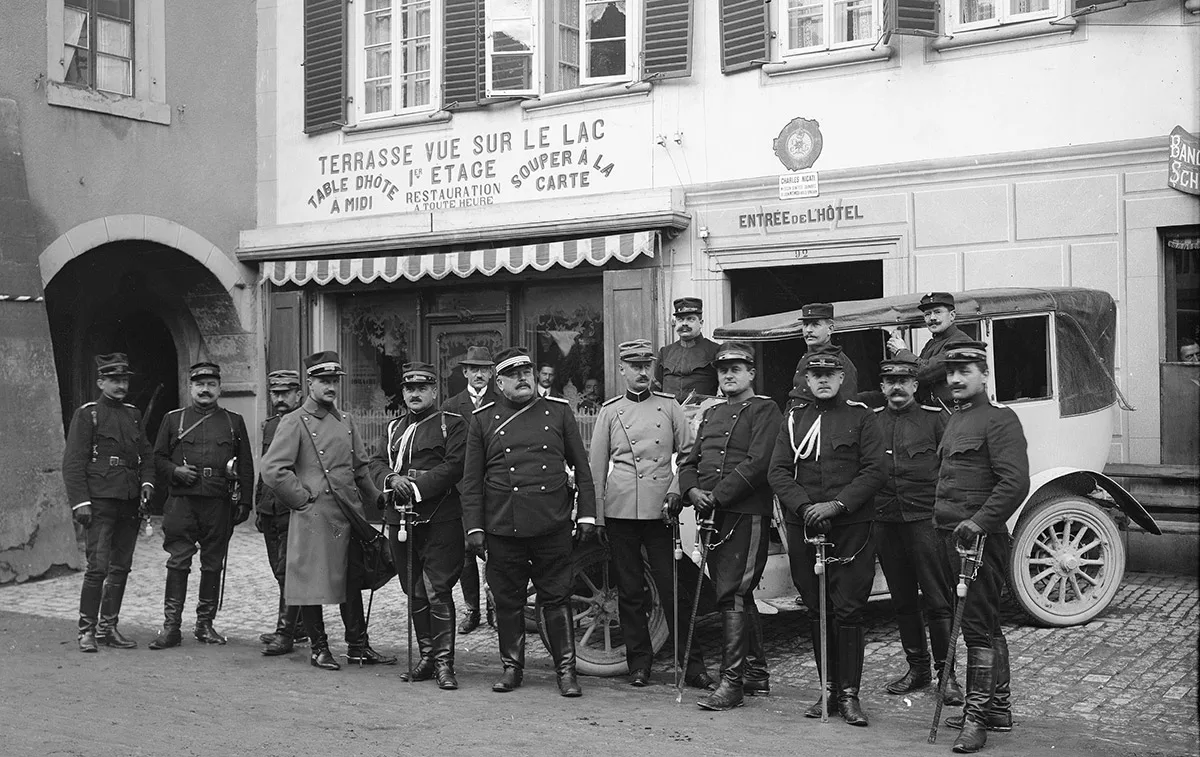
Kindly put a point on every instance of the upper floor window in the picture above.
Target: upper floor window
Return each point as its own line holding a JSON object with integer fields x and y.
{"x": 98, "y": 45}
{"x": 396, "y": 57}
{"x": 965, "y": 15}
{"x": 812, "y": 25}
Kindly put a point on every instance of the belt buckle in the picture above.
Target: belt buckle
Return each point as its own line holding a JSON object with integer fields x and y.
{"x": 207, "y": 472}
{"x": 114, "y": 461}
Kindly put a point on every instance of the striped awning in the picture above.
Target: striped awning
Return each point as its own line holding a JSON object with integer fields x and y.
{"x": 463, "y": 263}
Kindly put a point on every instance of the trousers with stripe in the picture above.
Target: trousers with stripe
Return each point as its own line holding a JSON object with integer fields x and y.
{"x": 737, "y": 559}
{"x": 847, "y": 585}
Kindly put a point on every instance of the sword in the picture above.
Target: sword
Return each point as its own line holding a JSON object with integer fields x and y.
{"x": 706, "y": 532}
{"x": 235, "y": 496}
{"x": 819, "y": 543}
{"x": 410, "y": 590}
{"x": 972, "y": 558}
{"x": 675, "y": 605}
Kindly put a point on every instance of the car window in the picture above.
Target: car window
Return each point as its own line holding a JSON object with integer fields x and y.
{"x": 1021, "y": 353}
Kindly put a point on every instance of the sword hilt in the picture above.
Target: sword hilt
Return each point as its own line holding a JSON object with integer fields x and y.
{"x": 677, "y": 540}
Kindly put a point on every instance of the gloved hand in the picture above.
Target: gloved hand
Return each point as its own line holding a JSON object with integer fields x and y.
{"x": 260, "y": 522}
{"x": 186, "y": 474}
{"x": 477, "y": 544}
{"x": 965, "y": 533}
{"x": 401, "y": 487}
{"x": 702, "y": 500}
{"x": 895, "y": 342}
{"x": 144, "y": 499}
{"x": 83, "y": 515}
{"x": 672, "y": 506}
{"x": 585, "y": 532}
{"x": 242, "y": 514}
{"x": 821, "y": 511}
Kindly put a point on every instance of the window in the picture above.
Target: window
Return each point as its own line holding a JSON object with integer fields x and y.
{"x": 539, "y": 46}
{"x": 395, "y": 57}
{"x": 1021, "y": 352}
{"x": 811, "y": 25}
{"x": 378, "y": 335}
{"x": 98, "y": 44}
{"x": 965, "y": 15}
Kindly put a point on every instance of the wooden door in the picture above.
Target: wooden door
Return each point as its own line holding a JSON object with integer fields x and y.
{"x": 630, "y": 312}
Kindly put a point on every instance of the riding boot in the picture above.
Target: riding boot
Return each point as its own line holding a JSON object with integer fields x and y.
{"x": 423, "y": 630}
{"x": 358, "y": 644}
{"x": 110, "y": 611}
{"x": 560, "y": 632}
{"x": 206, "y": 608}
{"x": 441, "y": 621}
{"x": 733, "y": 660}
{"x": 314, "y": 621}
{"x": 981, "y": 684}
{"x": 999, "y": 716}
{"x": 756, "y": 680}
{"x": 283, "y": 641}
{"x": 939, "y": 641}
{"x": 851, "y": 644}
{"x": 510, "y": 635}
{"x": 814, "y": 710}
{"x": 89, "y": 612}
{"x": 280, "y": 620}
{"x": 912, "y": 639}
{"x": 176, "y": 593}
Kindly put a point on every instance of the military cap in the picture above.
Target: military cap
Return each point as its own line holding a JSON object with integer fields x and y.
{"x": 936, "y": 299}
{"x": 113, "y": 365}
{"x": 204, "y": 369}
{"x": 418, "y": 373}
{"x": 967, "y": 352}
{"x": 815, "y": 311}
{"x": 898, "y": 367}
{"x": 323, "y": 365}
{"x": 730, "y": 351}
{"x": 824, "y": 362}
{"x": 513, "y": 358}
{"x": 636, "y": 351}
{"x": 689, "y": 306}
{"x": 283, "y": 380}
{"x": 477, "y": 356}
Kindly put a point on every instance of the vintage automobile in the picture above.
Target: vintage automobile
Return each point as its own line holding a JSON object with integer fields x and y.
{"x": 1050, "y": 352}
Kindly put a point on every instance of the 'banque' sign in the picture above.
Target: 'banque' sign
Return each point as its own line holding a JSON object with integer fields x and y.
{"x": 1183, "y": 165}
{"x": 461, "y": 170}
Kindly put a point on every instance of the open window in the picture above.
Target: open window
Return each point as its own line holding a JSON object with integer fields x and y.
{"x": 1021, "y": 352}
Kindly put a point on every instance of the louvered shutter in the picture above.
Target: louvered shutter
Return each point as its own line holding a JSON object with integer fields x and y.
{"x": 910, "y": 17}
{"x": 667, "y": 35}
{"x": 324, "y": 65}
{"x": 463, "y": 64}
{"x": 745, "y": 34}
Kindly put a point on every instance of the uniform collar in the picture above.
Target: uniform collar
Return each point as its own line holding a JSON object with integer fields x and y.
{"x": 202, "y": 411}
{"x": 515, "y": 405}
{"x": 830, "y": 403}
{"x": 317, "y": 410}
{"x": 632, "y": 397}
{"x": 414, "y": 418}
{"x": 109, "y": 402}
{"x": 978, "y": 400}
{"x": 908, "y": 409}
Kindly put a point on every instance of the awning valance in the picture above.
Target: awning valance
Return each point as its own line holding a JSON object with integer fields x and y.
{"x": 566, "y": 254}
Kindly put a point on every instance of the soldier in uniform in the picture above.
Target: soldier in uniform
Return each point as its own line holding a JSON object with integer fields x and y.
{"x": 725, "y": 477}
{"x": 194, "y": 447}
{"x": 983, "y": 479}
{"x": 816, "y": 322}
{"x": 938, "y": 308}
{"x": 904, "y": 534}
{"x": 517, "y": 505}
{"x": 826, "y": 470}
{"x": 637, "y": 434}
{"x": 272, "y": 516}
{"x": 419, "y": 459}
{"x": 479, "y": 369}
{"x": 108, "y": 471}
{"x": 685, "y": 367}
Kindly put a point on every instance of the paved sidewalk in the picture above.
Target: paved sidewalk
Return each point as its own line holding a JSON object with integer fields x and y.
{"x": 1127, "y": 679}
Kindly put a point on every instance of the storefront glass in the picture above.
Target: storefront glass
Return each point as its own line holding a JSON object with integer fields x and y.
{"x": 562, "y": 324}
{"x": 378, "y": 331}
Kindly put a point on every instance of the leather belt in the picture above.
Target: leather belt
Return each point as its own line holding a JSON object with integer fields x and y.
{"x": 413, "y": 472}
{"x": 208, "y": 472}
{"x": 116, "y": 462}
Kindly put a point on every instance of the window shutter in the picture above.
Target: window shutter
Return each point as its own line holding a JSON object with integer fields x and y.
{"x": 630, "y": 312}
{"x": 463, "y": 63}
{"x": 324, "y": 65}
{"x": 745, "y": 34}
{"x": 910, "y": 17}
{"x": 667, "y": 35}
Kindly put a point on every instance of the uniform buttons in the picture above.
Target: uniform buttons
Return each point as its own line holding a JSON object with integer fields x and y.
{"x": 640, "y": 476}
{"x": 322, "y": 451}
{"x": 543, "y": 467}
{"x": 501, "y": 433}
{"x": 314, "y": 433}
{"x": 497, "y": 417}
{"x": 658, "y": 425}
{"x": 628, "y": 426}
{"x": 326, "y": 470}
{"x": 620, "y": 412}
{"x": 656, "y": 459}
{"x": 544, "y": 447}
{"x": 547, "y": 428}
{"x": 726, "y": 433}
{"x": 543, "y": 488}
{"x": 326, "y": 491}
{"x": 508, "y": 449}
{"x": 547, "y": 412}
{"x": 735, "y": 416}
{"x": 513, "y": 469}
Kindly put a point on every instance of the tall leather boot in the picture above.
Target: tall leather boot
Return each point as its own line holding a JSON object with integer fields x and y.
{"x": 358, "y": 644}
{"x": 441, "y": 621}
{"x": 110, "y": 611}
{"x": 733, "y": 660}
{"x": 206, "y": 608}
{"x": 851, "y": 644}
{"x": 314, "y": 621}
{"x": 280, "y": 619}
{"x": 89, "y": 612}
{"x": 560, "y": 632}
{"x": 1000, "y": 714}
{"x": 176, "y": 593}
{"x": 981, "y": 683}
{"x": 939, "y": 641}
{"x": 423, "y": 630}
{"x": 814, "y": 710}
{"x": 510, "y": 635}
{"x": 756, "y": 680}
{"x": 284, "y": 640}
{"x": 912, "y": 639}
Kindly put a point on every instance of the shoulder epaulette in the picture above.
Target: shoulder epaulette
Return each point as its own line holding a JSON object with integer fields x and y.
{"x": 994, "y": 403}
{"x": 931, "y": 408}
{"x": 126, "y": 404}
{"x": 761, "y": 397}
{"x": 856, "y": 403}
{"x": 557, "y": 399}
{"x": 87, "y": 404}
{"x": 664, "y": 395}
{"x": 879, "y": 409}
{"x": 176, "y": 410}
{"x": 611, "y": 400}
{"x": 799, "y": 405}
{"x": 481, "y": 408}
{"x": 451, "y": 413}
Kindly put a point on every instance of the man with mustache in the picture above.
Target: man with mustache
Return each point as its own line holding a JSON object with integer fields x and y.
{"x": 478, "y": 369}
{"x": 517, "y": 506}
{"x": 904, "y": 534}
{"x": 685, "y": 367}
{"x": 826, "y": 468}
{"x": 545, "y": 381}
{"x": 195, "y": 444}
{"x": 272, "y": 516}
{"x": 983, "y": 479}
{"x": 108, "y": 471}
{"x": 939, "y": 312}
{"x": 816, "y": 323}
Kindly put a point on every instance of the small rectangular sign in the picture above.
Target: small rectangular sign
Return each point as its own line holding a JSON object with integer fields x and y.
{"x": 1183, "y": 166}
{"x": 797, "y": 185}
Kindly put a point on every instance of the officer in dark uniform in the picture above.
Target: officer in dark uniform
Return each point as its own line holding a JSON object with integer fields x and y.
{"x": 517, "y": 505}
{"x": 983, "y": 479}
{"x": 938, "y": 308}
{"x": 816, "y": 322}
{"x": 685, "y": 367}
{"x": 826, "y": 470}
{"x": 108, "y": 471}
{"x": 195, "y": 444}
{"x": 419, "y": 459}
{"x": 273, "y": 516}
{"x": 904, "y": 534}
{"x": 479, "y": 369}
{"x": 725, "y": 477}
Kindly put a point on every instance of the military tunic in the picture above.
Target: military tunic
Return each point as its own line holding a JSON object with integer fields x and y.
{"x": 462, "y": 404}
{"x": 682, "y": 370}
{"x": 273, "y": 516}
{"x": 800, "y": 390}
{"x": 931, "y": 374}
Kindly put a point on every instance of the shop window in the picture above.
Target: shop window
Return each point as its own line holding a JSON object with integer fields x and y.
{"x": 378, "y": 335}
{"x": 812, "y": 25}
{"x": 1182, "y": 279}
{"x": 563, "y": 326}
{"x": 965, "y": 15}
{"x": 1179, "y": 373}
{"x": 396, "y": 58}
{"x": 1021, "y": 357}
